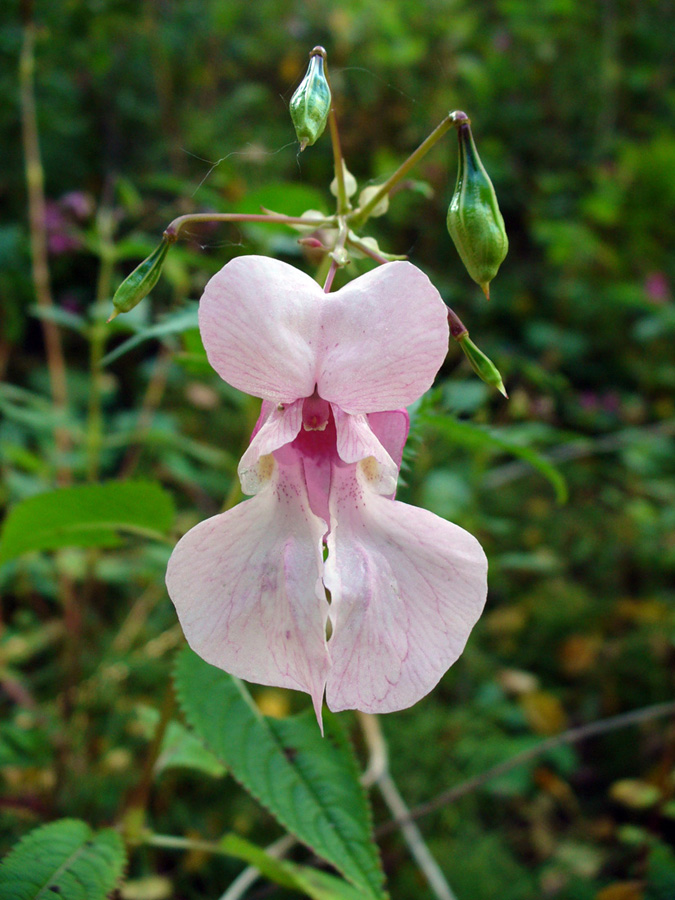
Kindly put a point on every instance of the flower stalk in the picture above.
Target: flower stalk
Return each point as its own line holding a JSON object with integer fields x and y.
{"x": 359, "y": 216}
{"x": 338, "y": 160}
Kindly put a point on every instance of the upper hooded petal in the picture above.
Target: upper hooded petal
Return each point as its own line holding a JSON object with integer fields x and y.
{"x": 259, "y": 321}
{"x": 247, "y": 589}
{"x": 383, "y": 338}
{"x": 407, "y": 588}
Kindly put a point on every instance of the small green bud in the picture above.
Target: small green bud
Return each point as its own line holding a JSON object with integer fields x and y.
{"x": 486, "y": 370}
{"x": 474, "y": 221}
{"x": 141, "y": 281}
{"x": 310, "y": 104}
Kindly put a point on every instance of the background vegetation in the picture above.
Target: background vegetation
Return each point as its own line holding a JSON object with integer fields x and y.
{"x": 150, "y": 109}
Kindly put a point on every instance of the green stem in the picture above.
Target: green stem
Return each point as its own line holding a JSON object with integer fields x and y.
{"x": 365, "y": 249}
{"x": 338, "y": 161}
{"x": 323, "y": 269}
{"x": 170, "y": 842}
{"x": 173, "y": 229}
{"x": 243, "y": 882}
{"x": 97, "y": 343}
{"x": 337, "y": 255}
{"x": 150, "y": 404}
{"x": 359, "y": 216}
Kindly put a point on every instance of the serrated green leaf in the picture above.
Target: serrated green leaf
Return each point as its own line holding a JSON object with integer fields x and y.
{"x": 309, "y": 783}
{"x": 89, "y": 515}
{"x": 476, "y": 436}
{"x": 64, "y": 859}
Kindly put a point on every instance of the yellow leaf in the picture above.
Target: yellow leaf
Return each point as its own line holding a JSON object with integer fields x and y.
{"x": 544, "y": 712}
{"x": 622, "y": 890}
{"x": 634, "y": 793}
{"x": 579, "y": 653}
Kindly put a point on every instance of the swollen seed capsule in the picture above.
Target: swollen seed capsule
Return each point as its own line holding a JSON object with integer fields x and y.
{"x": 474, "y": 221}
{"x": 141, "y": 281}
{"x": 482, "y": 365}
{"x": 310, "y": 104}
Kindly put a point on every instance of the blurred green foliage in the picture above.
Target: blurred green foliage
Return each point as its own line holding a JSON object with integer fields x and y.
{"x": 148, "y": 110}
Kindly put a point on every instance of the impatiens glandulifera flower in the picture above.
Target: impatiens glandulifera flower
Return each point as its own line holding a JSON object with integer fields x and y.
{"x": 321, "y": 581}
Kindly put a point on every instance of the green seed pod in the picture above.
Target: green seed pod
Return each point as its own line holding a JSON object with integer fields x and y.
{"x": 486, "y": 370}
{"x": 474, "y": 221}
{"x": 310, "y": 104}
{"x": 141, "y": 281}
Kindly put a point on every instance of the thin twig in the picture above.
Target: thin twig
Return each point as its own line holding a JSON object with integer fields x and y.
{"x": 378, "y": 773}
{"x": 571, "y": 736}
{"x": 172, "y": 230}
{"x": 373, "y": 254}
{"x": 359, "y": 216}
{"x": 578, "y": 449}
{"x": 338, "y": 161}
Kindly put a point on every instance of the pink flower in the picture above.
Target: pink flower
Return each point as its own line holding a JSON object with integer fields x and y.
{"x": 322, "y": 581}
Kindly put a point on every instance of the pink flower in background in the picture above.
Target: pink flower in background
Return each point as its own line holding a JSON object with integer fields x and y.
{"x": 323, "y": 582}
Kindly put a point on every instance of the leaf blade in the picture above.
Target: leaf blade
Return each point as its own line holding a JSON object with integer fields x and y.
{"x": 67, "y": 855}
{"x": 309, "y": 783}
{"x": 85, "y": 516}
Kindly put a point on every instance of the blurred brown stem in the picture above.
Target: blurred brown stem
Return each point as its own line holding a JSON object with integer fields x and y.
{"x": 56, "y": 365}
{"x": 136, "y": 801}
{"x": 38, "y": 235}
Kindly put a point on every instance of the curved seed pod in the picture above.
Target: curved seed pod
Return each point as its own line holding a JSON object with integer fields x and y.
{"x": 141, "y": 281}
{"x": 482, "y": 365}
{"x": 310, "y": 104}
{"x": 474, "y": 221}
